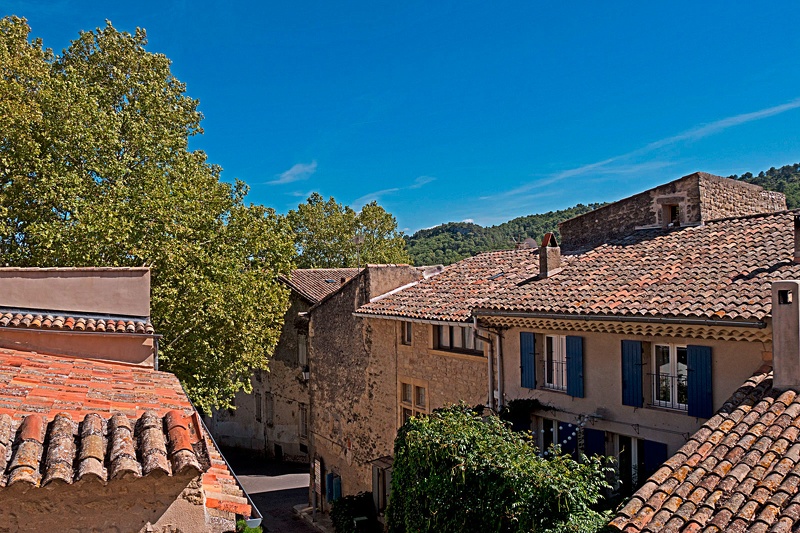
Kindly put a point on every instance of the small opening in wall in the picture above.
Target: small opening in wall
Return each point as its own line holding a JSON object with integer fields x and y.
{"x": 784, "y": 297}
{"x": 671, "y": 216}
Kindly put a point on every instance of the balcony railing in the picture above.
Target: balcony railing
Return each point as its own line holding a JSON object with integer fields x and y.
{"x": 555, "y": 374}
{"x": 669, "y": 391}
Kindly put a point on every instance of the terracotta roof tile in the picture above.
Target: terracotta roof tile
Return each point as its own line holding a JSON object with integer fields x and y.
{"x": 124, "y": 422}
{"x": 314, "y": 284}
{"x": 756, "y": 484}
{"x": 460, "y": 287}
{"x": 708, "y": 271}
{"x": 16, "y": 318}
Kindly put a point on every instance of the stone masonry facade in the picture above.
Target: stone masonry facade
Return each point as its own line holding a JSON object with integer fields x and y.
{"x": 353, "y": 379}
{"x": 692, "y": 199}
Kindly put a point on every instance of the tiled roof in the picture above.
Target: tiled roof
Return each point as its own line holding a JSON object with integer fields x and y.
{"x": 314, "y": 284}
{"x": 35, "y": 452}
{"x": 66, "y": 418}
{"x": 739, "y": 472}
{"x": 452, "y": 294}
{"x": 48, "y": 384}
{"x": 59, "y": 321}
{"x": 722, "y": 269}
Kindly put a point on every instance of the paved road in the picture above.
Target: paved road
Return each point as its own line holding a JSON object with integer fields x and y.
{"x": 275, "y": 488}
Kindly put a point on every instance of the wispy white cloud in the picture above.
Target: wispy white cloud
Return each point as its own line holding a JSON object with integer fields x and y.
{"x": 298, "y": 172}
{"x": 620, "y": 164}
{"x": 469, "y": 220}
{"x": 376, "y": 196}
{"x": 421, "y": 181}
{"x": 373, "y": 197}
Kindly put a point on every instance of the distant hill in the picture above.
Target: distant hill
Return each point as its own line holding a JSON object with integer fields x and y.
{"x": 454, "y": 241}
{"x": 785, "y": 179}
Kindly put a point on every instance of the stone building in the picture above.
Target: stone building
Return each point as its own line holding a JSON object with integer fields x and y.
{"x": 92, "y": 436}
{"x": 273, "y": 419}
{"x": 688, "y": 201}
{"x": 353, "y": 383}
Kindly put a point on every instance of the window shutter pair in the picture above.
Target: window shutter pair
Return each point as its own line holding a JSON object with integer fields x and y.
{"x": 698, "y": 382}
{"x": 574, "y": 357}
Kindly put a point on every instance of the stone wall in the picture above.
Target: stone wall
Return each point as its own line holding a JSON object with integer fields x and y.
{"x": 723, "y": 197}
{"x": 353, "y": 378}
{"x": 699, "y": 197}
{"x": 450, "y": 378}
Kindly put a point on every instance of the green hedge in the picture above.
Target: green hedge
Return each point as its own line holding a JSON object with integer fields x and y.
{"x": 456, "y": 471}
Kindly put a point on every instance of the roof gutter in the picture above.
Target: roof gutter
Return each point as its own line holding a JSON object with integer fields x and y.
{"x": 466, "y": 322}
{"x": 606, "y": 318}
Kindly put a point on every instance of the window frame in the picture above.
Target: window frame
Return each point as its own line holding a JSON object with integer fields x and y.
{"x": 302, "y": 420}
{"x": 457, "y": 339}
{"x": 673, "y": 378}
{"x": 559, "y": 363}
{"x": 406, "y": 333}
{"x": 302, "y": 349}
{"x": 409, "y": 401}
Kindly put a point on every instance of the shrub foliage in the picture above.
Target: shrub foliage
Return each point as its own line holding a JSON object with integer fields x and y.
{"x": 456, "y": 471}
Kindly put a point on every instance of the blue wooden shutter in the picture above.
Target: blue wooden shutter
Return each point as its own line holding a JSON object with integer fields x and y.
{"x": 329, "y": 486}
{"x": 337, "y": 488}
{"x": 699, "y": 381}
{"x": 632, "y": 373}
{"x": 575, "y": 366}
{"x": 527, "y": 368}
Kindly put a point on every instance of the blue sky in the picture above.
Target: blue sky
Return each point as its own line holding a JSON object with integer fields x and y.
{"x": 485, "y": 111}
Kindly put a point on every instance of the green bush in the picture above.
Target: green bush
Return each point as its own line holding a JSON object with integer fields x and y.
{"x": 455, "y": 471}
{"x": 347, "y": 508}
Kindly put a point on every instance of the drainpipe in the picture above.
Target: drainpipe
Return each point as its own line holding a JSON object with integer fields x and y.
{"x": 500, "y": 371}
{"x": 490, "y": 342}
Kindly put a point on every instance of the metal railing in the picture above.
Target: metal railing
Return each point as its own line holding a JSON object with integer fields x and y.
{"x": 555, "y": 374}
{"x": 669, "y": 391}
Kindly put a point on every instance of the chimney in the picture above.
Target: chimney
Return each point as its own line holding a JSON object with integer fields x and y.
{"x": 786, "y": 334}
{"x": 549, "y": 256}
{"x": 796, "y": 239}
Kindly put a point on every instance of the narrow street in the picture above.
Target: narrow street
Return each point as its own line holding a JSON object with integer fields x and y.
{"x": 275, "y": 488}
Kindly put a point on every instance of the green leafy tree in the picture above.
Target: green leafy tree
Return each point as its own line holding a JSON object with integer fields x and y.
{"x": 331, "y": 235}
{"x": 95, "y": 170}
{"x": 456, "y": 471}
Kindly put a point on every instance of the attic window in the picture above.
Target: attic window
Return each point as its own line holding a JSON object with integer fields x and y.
{"x": 784, "y": 297}
{"x": 330, "y": 281}
{"x": 670, "y": 216}
{"x": 497, "y": 275}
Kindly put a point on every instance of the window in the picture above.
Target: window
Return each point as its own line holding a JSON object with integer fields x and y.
{"x": 670, "y": 376}
{"x": 303, "y": 421}
{"x": 258, "y": 406}
{"x": 555, "y": 362}
{"x": 270, "y": 408}
{"x": 302, "y": 349}
{"x": 406, "y": 334}
{"x": 457, "y": 339}
{"x": 413, "y": 399}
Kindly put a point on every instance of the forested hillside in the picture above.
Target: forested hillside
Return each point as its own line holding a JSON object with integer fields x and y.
{"x": 454, "y": 241}
{"x": 785, "y": 179}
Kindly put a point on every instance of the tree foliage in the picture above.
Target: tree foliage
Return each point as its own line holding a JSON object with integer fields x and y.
{"x": 451, "y": 242}
{"x": 455, "y": 471}
{"x": 95, "y": 170}
{"x": 331, "y": 235}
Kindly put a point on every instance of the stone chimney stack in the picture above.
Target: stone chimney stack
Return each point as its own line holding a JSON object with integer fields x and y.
{"x": 549, "y": 256}
{"x": 786, "y": 334}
